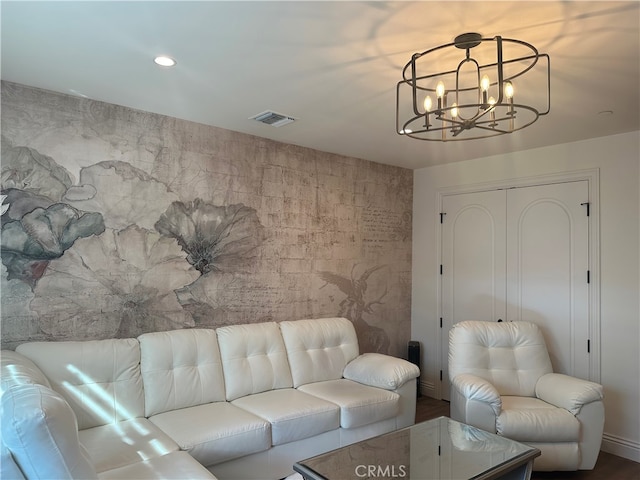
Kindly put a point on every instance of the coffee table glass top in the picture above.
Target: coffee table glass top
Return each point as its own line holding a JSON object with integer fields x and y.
{"x": 436, "y": 449}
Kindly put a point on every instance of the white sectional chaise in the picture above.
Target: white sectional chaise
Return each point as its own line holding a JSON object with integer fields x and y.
{"x": 239, "y": 402}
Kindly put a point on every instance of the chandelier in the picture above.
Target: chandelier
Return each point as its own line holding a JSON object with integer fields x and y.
{"x": 443, "y": 97}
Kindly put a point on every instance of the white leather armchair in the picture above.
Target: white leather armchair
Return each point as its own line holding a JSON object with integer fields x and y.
{"x": 502, "y": 382}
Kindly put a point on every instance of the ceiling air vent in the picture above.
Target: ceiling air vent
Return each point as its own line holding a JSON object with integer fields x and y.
{"x": 272, "y": 118}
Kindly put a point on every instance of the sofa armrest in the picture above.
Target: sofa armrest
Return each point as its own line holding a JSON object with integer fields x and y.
{"x": 382, "y": 371}
{"x": 16, "y": 369}
{"x": 40, "y": 430}
{"x": 567, "y": 392}
{"x": 472, "y": 387}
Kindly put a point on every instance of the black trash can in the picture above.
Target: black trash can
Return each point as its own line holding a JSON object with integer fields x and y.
{"x": 413, "y": 354}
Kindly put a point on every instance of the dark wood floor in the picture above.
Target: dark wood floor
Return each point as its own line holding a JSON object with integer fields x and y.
{"x": 608, "y": 466}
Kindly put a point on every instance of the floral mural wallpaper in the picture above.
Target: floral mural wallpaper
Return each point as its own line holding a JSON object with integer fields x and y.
{"x": 117, "y": 222}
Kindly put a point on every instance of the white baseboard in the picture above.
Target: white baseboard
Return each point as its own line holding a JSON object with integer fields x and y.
{"x": 621, "y": 447}
{"x": 428, "y": 389}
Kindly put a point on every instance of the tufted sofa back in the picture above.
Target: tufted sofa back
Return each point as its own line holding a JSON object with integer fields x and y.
{"x": 254, "y": 359}
{"x": 510, "y": 355}
{"x": 319, "y": 349}
{"x": 181, "y": 368}
{"x": 100, "y": 379}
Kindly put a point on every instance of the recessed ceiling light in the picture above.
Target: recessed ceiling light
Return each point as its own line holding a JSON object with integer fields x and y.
{"x": 164, "y": 61}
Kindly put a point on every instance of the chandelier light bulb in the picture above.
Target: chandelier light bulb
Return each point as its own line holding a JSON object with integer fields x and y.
{"x": 440, "y": 89}
{"x": 427, "y": 104}
{"x": 508, "y": 90}
{"x": 454, "y": 110}
{"x": 492, "y": 101}
{"x": 485, "y": 83}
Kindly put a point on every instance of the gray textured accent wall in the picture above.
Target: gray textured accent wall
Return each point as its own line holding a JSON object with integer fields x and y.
{"x": 117, "y": 222}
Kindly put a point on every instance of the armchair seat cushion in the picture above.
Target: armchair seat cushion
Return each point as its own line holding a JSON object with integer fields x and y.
{"x": 293, "y": 415}
{"x": 527, "y": 419}
{"x": 359, "y": 404}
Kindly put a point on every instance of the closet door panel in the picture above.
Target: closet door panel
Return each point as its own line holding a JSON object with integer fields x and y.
{"x": 547, "y": 263}
{"x": 473, "y": 263}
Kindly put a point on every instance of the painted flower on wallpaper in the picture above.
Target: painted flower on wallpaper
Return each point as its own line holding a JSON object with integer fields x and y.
{"x": 16, "y": 296}
{"x": 4, "y": 207}
{"x": 26, "y": 169}
{"x": 208, "y": 298}
{"x": 124, "y": 194}
{"x": 120, "y": 284}
{"x": 216, "y": 238}
{"x": 43, "y": 234}
{"x": 17, "y": 203}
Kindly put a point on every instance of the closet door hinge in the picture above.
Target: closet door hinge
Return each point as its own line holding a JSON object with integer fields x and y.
{"x": 440, "y": 269}
{"x": 588, "y": 346}
{"x": 440, "y": 375}
{"x": 588, "y": 276}
{"x": 440, "y": 322}
{"x": 442, "y": 214}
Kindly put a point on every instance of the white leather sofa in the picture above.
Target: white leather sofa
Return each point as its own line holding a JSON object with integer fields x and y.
{"x": 244, "y": 401}
{"x": 502, "y": 382}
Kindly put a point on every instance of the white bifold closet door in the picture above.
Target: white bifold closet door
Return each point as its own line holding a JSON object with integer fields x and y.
{"x": 520, "y": 254}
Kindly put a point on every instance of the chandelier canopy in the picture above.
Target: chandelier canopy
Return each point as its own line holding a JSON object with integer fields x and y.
{"x": 445, "y": 96}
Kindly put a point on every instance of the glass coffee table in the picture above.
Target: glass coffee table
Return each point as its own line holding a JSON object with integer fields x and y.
{"x": 436, "y": 449}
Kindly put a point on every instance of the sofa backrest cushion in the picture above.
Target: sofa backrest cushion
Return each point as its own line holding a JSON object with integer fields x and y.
{"x": 16, "y": 369}
{"x": 100, "y": 379}
{"x": 254, "y": 359}
{"x": 510, "y": 355}
{"x": 180, "y": 368}
{"x": 40, "y": 430}
{"x": 319, "y": 349}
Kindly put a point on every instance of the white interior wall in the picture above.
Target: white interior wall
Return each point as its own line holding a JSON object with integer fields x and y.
{"x": 618, "y": 160}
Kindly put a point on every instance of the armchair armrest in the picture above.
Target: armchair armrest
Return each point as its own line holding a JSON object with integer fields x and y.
{"x": 472, "y": 387}
{"x": 382, "y": 371}
{"x": 567, "y": 392}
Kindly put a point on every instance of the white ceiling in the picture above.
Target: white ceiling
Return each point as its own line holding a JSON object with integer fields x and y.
{"x": 332, "y": 65}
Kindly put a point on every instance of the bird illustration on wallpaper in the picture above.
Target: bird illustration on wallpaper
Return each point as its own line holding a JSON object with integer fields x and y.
{"x": 106, "y": 256}
{"x": 357, "y": 302}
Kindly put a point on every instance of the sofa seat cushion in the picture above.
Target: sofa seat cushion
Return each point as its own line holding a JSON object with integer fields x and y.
{"x": 173, "y": 465}
{"x": 123, "y": 443}
{"x": 528, "y": 419}
{"x": 359, "y": 404}
{"x": 293, "y": 415}
{"x": 215, "y": 432}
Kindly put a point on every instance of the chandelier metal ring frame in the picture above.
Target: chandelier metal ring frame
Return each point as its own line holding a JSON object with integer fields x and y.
{"x": 489, "y": 117}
